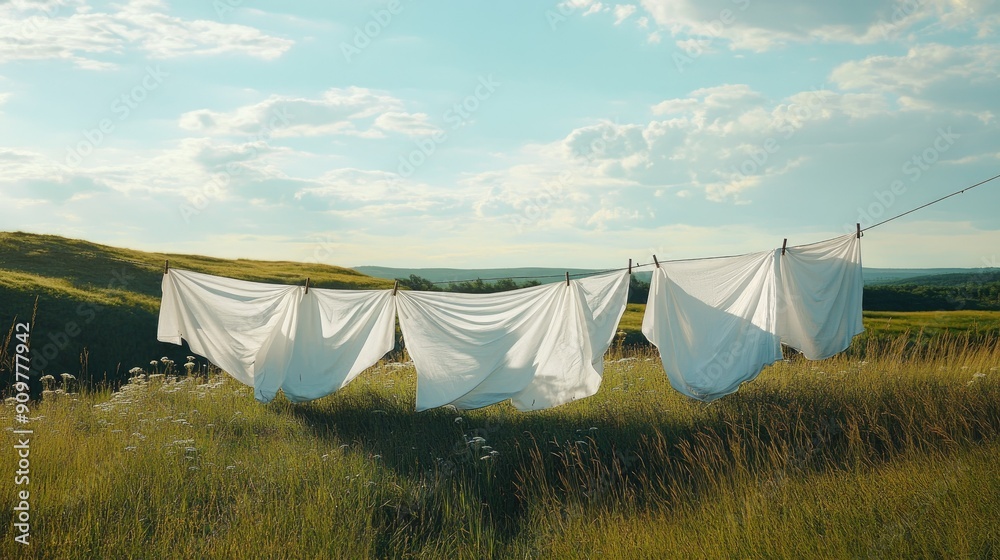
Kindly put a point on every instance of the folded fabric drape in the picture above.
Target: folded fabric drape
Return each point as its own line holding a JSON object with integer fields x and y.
{"x": 718, "y": 322}
{"x": 274, "y": 337}
{"x": 539, "y": 347}
{"x": 713, "y": 321}
{"x": 820, "y": 288}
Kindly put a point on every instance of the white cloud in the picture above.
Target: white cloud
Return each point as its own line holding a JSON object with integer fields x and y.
{"x": 19, "y": 164}
{"x": 963, "y": 79}
{"x": 594, "y": 8}
{"x": 760, "y": 25}
{"x": 36, "y": 31}
{"x": 370, "y": 197}
{"x": 410, "y": 124}
{"x": 730, "y": 143}
{"x": 349, "y": 111}
{"x": 623, "y": 11}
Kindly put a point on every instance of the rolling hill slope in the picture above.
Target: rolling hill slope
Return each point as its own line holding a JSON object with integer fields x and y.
{"x": 97, "y": 305}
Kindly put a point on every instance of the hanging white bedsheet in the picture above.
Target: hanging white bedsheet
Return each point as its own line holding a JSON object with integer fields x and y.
{"x": 539, "y": 347}
{"x": 820, "y": 289}
{"x": 713, "y": 321}
{"x": 718, "y": 322}
{"x": 274, "y": 337}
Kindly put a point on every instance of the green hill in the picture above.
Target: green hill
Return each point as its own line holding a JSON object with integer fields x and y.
{"x": 97, "y": 305}
{"x": 968, "y": 278}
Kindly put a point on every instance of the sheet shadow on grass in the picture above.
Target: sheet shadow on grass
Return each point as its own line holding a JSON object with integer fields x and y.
{"x": 648, "y": 460}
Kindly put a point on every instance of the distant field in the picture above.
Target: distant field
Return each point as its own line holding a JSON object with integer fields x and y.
{"x": 877, "y": 323}
{"x": 933, "y": 322}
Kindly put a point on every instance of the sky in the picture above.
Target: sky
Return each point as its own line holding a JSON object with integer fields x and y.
{"x": 413, "y": 133}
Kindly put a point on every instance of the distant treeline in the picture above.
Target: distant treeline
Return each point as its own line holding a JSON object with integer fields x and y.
{"x": 972, "y": 292}
{"x": 638, "y": 290}
{"x": 914, "y": 297}
{"x": 477, "y": 286}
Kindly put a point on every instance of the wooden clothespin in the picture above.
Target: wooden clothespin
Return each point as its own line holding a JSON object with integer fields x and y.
{"x": 783, "y": 245}
{"x": 859, "y": 231}
{"x": 307, "y": 285}
{"x": 630, "y": 267}
{"x": 166, "y": 266}
{"x": 395, "y": 287}
{"x": 656, "y": 261}
{"x": 567, "y": 278}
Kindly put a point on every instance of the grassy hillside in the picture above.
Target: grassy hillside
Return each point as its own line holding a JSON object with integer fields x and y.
{"x": 110, "y": 297}
{"x": 889, "y": 451}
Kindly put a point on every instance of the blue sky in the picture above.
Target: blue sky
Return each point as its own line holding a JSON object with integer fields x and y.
{"x": 493, "y": 134}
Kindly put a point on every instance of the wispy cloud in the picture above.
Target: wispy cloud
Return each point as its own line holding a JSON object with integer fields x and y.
{"x": 91, "y": 39}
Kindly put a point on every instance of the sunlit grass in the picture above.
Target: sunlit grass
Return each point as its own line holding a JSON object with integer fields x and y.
{"x": 889, "y": 449}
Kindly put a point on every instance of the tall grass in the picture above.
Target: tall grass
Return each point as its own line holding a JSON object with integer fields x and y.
{"x": 888, "y": 450}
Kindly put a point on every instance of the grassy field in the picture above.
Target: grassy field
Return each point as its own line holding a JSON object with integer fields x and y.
{"x": 888, "y": 451}
{"x": 885, "y": 325}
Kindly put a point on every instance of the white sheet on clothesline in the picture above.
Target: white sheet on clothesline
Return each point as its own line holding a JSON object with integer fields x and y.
{"x": 539, "y": 347}
{"x": 718, "y": 322}
{"x": 820, "y": 288}
{"x": 273, "y": 337}
{"x": 713, "y": 321}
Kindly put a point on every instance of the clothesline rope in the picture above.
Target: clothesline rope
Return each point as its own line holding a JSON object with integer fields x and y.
{"x": 635, "y": 266}
{"x": 969, "y": 188}
{"x": 717, "y": 324}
